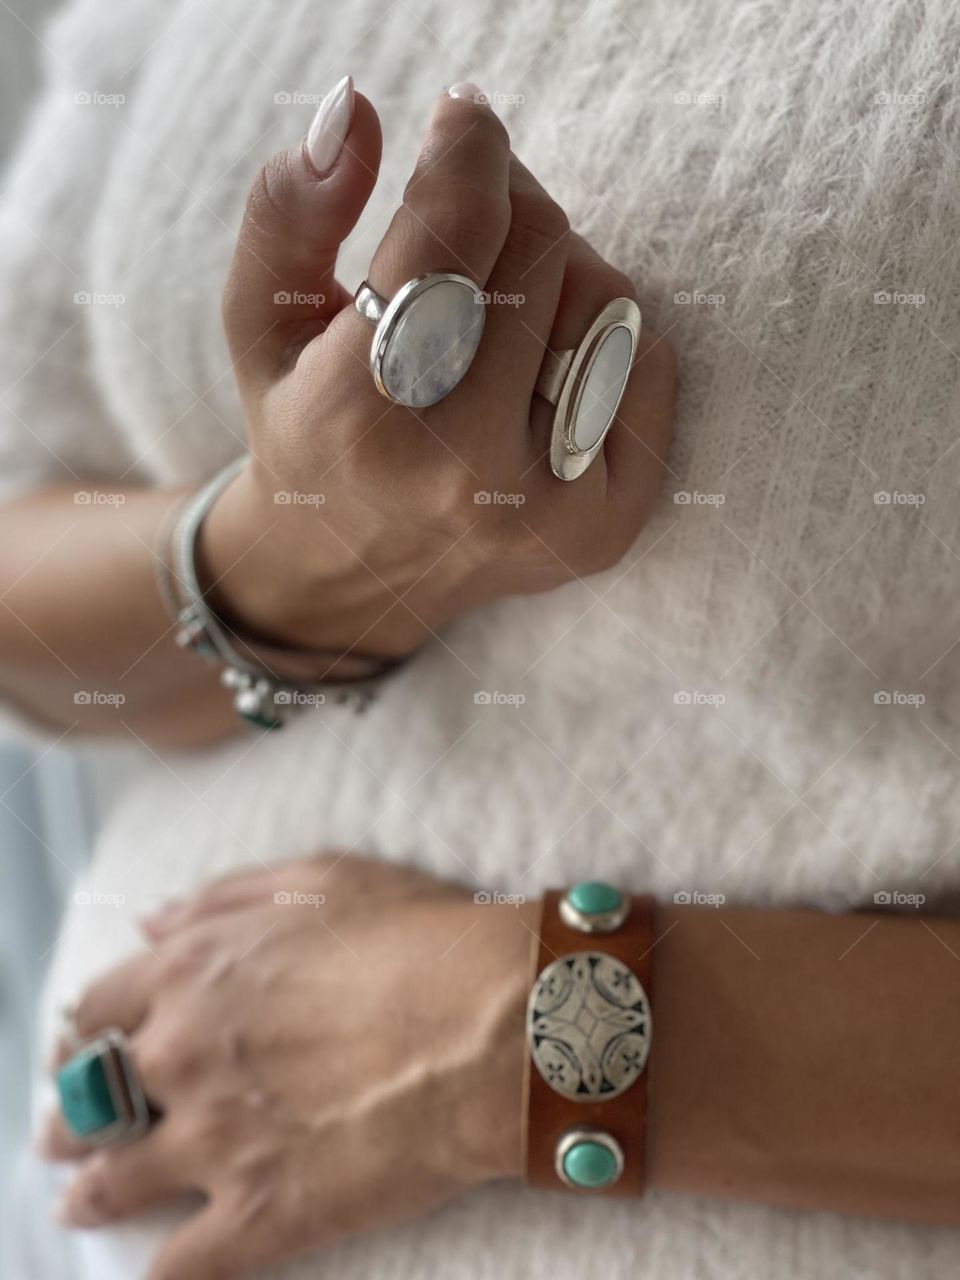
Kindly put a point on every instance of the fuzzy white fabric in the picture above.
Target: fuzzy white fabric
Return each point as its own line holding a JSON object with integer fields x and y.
{"x": 795, "y": 159}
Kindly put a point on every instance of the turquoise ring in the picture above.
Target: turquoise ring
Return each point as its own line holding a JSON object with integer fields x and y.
{"x": 101, "y": 1098}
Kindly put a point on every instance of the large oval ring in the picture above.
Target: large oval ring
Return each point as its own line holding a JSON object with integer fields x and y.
{"x": 426, "y": 336}
{"x": 101, "y": 1098}
{"x": 586, "y": 386}
{"x": 589, "y": 1026}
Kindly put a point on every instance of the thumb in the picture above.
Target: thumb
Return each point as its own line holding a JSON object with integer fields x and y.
{"x": 281, "y": 289}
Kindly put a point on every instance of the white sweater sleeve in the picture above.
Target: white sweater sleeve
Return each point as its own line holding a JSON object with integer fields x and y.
{"x": 53, "y": 424}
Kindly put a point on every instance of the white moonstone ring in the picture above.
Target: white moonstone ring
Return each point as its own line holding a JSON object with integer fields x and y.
{"x": 426, "y": 336}
{"x": 586, "y": 385}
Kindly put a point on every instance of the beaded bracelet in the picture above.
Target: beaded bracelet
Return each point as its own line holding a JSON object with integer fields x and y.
{"x": 263, "y": 696}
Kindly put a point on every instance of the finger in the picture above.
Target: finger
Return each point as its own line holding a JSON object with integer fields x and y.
{"x": 243, "y": 889}
{"x": 210, "y": 1247}
{"x": 454, "y": 217}
{"x": 126, "y": 1180}
{"x": 281, "y": 289}
{"x": 530, "y": 267}
{"x": 456, "y": 207}
{"x": 119, "y": 998}
{"x": 54, "y": 1141}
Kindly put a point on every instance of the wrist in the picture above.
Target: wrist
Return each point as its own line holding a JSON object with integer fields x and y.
{"x": 493, "y": 1106}
{"x": 280, "y": 574}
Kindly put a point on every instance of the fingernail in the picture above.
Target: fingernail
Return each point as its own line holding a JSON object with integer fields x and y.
{"x": 330, "y": 126}
{"x": 467, "y": 89}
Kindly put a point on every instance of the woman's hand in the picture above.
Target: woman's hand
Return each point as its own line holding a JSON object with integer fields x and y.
{"x": 335, "y": 1044}
{"x": 384, "y": 540}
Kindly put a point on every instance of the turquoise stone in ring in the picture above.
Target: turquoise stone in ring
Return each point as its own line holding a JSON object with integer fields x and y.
{"x": 85, "y": 1097}
{"x": 101, "y": 1098}
{"x": 593, "y": 897}
{"x": 590, "y": 1165}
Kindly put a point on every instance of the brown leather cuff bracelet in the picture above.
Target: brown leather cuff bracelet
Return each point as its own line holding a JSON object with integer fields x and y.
{"x": 589, "y": 1030}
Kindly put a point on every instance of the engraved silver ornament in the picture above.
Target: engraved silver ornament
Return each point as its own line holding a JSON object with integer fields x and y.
{"x": 589, "y": 1026}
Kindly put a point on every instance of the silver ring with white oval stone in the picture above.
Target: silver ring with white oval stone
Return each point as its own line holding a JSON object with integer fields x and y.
{"x": 426, "y": 336}
{"x": 586, "y": 385}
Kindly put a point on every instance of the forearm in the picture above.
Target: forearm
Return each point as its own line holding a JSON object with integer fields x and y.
{"x": 808, "y": 1060}
{"x": 81, "y": 615}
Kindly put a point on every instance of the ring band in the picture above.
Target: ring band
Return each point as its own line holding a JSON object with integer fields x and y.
{"x": 101, "y": 1098}
{"x": 426, "y": 336}
{"x": 585, "y": 385}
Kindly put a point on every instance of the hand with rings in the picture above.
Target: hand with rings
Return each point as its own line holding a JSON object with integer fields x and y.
{"x": 291, "y": 1049}
{"x": 410, "y": 447}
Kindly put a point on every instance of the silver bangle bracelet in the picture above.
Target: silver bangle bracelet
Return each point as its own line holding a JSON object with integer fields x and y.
{"x": 262, "y": 697}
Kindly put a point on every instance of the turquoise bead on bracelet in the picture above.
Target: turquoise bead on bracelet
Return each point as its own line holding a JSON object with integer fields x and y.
{"x": 590, "y": 1165}
{"x": 591, "y": 906}
{"x": 593, "y": 897}
{"x": 589, "y": 1159}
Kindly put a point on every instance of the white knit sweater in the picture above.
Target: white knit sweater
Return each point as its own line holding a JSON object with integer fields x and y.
{"x": 784, "y": 164}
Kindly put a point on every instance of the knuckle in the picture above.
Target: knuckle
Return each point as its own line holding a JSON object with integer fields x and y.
{"x": 94, "y": 1195}
{"x": 462, "y": 135}
{"x": 213, "y": 1130}
{"x": 85, "y": 1013}
{"x": 462, "y": 216}
{"x": 273, "y": 194}
{"x": 185, "y": 955}
{"x": 614, "y": 538}
{"x": 538, "y": 224}
{"x": 599, "y": 282}
{"x": 173, "y": 1054}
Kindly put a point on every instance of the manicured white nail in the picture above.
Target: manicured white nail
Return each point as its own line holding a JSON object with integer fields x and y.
{"x": 330, "y": 126}
{"x": 466, "y": 89}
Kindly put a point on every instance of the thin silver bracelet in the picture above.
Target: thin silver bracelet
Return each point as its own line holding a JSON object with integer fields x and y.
{"x": 262, "y": 697}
